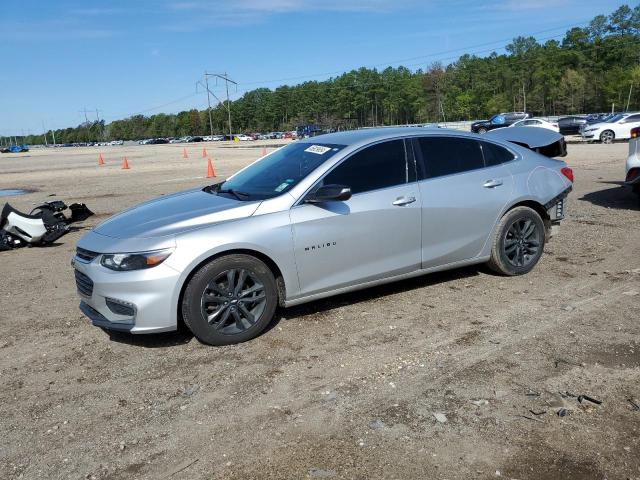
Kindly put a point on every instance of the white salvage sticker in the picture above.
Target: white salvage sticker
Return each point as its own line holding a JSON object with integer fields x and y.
{"x": 319, "y": 149}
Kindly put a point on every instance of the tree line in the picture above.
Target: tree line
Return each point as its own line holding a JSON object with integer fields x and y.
{"x": 595, "y": 68}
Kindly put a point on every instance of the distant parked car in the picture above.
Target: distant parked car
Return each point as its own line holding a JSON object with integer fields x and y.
{"x": 157, "y": 141}
{"x": 616, "y": 128}
{"x": 117, "y": 142}
{"x": 498, "y": 121}
{"x": 632, "y": 177}
{"x": 571, "y": 125}
{"x": 195, "y": 139}
{"x": 244, "y": 138}
{"x": 536, "y": 122}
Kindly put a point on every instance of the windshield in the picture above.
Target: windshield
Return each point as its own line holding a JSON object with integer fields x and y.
{"x": 615, "y": 118}
{"x": 278, "y": 172}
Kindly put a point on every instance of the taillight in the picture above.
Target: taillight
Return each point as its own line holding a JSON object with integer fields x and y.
{"x": 567, "y": 172}
{"x": 555, "y": 125}
{"x": 635, "y": 132}
{"x": 633, "y": 173}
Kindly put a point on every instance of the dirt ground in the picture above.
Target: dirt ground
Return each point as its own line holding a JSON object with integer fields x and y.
{"x": 347, "y": 387}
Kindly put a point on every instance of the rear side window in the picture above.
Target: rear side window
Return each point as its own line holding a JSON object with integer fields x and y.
{"x": 380, "y": 166}
{"x": 495, "y": 154}
{"x": 449, "y": 155}
{"x": 632, "y": 119}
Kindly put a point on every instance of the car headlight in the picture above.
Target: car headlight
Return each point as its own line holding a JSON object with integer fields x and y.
{"x": 135, "y": 261}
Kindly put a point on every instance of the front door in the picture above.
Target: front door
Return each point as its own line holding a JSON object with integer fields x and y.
{"x": 374, "y": 234}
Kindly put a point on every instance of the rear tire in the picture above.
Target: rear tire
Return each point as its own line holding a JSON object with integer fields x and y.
{"x": 230, "y": 300}
{"x": 518, "y": 242}
{"x": 482, "y": 130}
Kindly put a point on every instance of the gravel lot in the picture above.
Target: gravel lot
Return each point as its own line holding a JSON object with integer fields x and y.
{"x": 453, "y": 375}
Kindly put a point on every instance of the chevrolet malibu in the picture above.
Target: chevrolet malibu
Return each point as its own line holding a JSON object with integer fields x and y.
{"x": 320, "y": 217}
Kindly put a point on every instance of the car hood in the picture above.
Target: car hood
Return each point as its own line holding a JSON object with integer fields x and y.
{"x": 174, "y": 214}
{"x": 596, "y": 126}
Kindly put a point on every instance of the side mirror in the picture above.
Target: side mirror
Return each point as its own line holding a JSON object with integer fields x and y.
{"x": 329, "y": 193}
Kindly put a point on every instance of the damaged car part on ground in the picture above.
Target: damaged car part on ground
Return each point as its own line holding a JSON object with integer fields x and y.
{"x": 320, "y": 217}
{"x": 42, "y": 226}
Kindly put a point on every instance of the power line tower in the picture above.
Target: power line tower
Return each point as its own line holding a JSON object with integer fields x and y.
{"x": 85, "y": 111}
{"x": 227, "y": 105}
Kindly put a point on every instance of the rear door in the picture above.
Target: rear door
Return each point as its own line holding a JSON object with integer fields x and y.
{"x": 464, "y": 185}
{"x": 374, "y": 234}
{"x": 623, "y": 130}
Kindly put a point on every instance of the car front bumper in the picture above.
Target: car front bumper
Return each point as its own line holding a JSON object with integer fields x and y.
{"x": 137, "y": 301}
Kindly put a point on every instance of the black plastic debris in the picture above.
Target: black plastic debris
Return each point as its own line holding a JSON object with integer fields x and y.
{"x": 587, "y": 398}
{"x": 42, "y": 226}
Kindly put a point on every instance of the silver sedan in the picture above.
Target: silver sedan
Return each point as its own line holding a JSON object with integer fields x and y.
{"x": 319, "y": 217}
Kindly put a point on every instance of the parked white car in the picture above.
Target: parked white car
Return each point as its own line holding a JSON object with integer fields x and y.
{"x": 244, "y": 138}
{"x": 537, "y": 122}
{"x": 616, "y": 128}
{"x": 632, "y": 174}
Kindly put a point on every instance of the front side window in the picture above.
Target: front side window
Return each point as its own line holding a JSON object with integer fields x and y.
{"x": 379, "y": 166}
{"x": 278, "y": 172}
{"x": 449, "y": 155}
{"x": 632, "y": 119}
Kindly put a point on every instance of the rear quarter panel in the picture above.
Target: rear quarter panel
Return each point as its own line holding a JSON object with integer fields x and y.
{"x": 536, "y": 178}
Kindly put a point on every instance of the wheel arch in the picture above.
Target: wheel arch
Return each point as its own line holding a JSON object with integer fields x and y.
{"x": 268, "y": 261}
{"x": 538, "y": 208}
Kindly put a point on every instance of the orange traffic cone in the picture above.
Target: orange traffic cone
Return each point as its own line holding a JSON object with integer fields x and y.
{"x": 264, "y": 151}
{"x": 184, "y": 153}
{"x": 210, "y": 171}
{"x": 125, "y": 164}
{"x": 100, "y": 160}
{"x": 204, "y": 152}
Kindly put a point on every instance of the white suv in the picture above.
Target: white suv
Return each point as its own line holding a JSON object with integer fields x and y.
{"x": 632, "y": 177}
{"x": 616, "y": 128}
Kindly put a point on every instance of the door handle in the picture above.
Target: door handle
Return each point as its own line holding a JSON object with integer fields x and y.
{"x": 492, "y": 183}
{"x": 401, "y": 201}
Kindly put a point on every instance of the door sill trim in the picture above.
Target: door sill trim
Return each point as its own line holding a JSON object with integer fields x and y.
{"x": 381, "y": 281}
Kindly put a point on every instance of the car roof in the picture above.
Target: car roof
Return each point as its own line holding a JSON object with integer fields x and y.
{"x": 368, "y": 135}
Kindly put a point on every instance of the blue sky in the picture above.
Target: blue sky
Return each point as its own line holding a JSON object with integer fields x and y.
{"x": 144, "y": 56}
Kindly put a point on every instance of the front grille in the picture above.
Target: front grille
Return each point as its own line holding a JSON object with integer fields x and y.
{"x": 85, "y": 255}
{"x": 84, "y": 284}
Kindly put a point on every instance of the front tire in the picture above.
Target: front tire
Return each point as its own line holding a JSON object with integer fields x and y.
{"x": 518, "y": 243}
{"x": 230, "y": 300}
{"x": 607, "y": 137}
{"x": 482, "y": 130}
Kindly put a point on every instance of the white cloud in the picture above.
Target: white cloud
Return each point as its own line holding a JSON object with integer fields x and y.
{"x": 286, "y": 6}
{"x": 193, "y": 15}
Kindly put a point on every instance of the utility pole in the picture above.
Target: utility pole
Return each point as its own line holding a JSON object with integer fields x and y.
{"x": 206, "y": 81}
{"x": 44, "y": 133}
{"x": 227, "y": 80}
